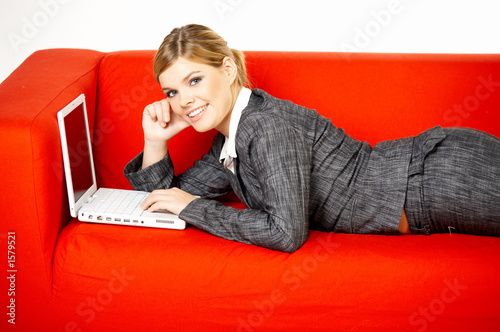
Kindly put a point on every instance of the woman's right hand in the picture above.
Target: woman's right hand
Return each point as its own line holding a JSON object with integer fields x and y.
{"x": 160, "y": 123}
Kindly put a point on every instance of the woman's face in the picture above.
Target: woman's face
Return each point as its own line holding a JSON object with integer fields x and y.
{"x": 200, "y": 94}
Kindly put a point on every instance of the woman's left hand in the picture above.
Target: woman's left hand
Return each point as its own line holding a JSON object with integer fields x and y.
{"x": 173, "y": 200}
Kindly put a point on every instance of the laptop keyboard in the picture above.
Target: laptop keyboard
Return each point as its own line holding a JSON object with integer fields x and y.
{"x": 120, "y": 202}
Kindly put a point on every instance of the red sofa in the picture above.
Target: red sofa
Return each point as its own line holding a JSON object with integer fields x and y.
{"x": 64, "y": 275}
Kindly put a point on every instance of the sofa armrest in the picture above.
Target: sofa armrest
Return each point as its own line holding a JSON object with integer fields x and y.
{"x": 34, "y": 202}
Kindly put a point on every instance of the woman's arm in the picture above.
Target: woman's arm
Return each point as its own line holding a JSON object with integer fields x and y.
{"x": 279, "y": 194}
{"x": 206, "y": 178}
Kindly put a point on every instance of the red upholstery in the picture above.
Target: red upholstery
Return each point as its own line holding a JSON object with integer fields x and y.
{"x": 72, "y": 276}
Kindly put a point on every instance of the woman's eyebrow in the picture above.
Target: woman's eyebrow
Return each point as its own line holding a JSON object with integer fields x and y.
{"x": 184, "y": 79}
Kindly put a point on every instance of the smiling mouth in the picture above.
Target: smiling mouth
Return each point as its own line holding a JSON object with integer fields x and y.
{"x": 197, "y": 111}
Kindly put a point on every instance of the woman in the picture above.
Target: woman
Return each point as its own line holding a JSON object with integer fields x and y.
{"x": 293, "y": 169}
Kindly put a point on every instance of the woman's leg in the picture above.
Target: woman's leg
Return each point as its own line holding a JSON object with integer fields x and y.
{"x": 461, "y": 183}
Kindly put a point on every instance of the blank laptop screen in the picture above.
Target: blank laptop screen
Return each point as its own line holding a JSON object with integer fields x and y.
{"x": 78, "y": 151}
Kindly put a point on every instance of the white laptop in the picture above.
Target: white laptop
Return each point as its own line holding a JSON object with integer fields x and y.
{"x": 108, "y": 206}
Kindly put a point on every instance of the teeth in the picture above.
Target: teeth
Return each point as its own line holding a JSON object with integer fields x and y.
{"x": 197, "y": 111}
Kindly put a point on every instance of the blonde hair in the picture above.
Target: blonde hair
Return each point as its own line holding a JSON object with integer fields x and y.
{"x": 200, "y": 44}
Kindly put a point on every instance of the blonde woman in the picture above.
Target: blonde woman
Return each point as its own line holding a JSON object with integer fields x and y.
{"x": 293, "y": 168}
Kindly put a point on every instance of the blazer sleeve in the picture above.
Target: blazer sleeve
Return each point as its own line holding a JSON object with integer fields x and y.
{"x": 280, "y": 161}
{"x": 206, "y": 178}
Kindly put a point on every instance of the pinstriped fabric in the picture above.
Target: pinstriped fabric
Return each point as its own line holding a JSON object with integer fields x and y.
{"x": 295, "y": 170}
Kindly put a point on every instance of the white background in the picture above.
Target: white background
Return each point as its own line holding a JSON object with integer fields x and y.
{"x": 418, "y": 26}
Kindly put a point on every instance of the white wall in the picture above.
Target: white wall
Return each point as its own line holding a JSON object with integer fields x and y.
{"x": 428, "y": 26}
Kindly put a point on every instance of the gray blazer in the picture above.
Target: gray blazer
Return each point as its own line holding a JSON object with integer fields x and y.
{"x": 295, "y": 171}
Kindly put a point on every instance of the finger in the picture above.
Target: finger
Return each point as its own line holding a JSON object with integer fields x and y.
{"x": 153, "y": 198}
{"x": 158, "y": 109}
{"x": 147, "y": 202}
{"x": 166, "y": 110}
{"x": 157, "y": 206}
{"x": 150, "y": 111}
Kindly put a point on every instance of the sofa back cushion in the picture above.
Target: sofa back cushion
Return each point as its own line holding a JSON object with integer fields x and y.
{"x": 374, "y": 97}
{"x": 377, "y": 97}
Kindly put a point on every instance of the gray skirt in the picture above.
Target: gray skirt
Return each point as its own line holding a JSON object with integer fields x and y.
{"x": 455, "y": 187}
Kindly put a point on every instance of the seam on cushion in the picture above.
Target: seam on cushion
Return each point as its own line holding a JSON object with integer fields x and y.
{"x": 50, "y": 278}
{"x": 62, "y": 276}
{"x": 70, "y": 240}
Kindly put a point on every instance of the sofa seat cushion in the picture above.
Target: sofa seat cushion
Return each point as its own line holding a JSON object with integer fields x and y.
{"x": 185, "y": 279}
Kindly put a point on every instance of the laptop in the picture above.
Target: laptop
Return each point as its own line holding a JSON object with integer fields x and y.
{"x": 103, "y": 205}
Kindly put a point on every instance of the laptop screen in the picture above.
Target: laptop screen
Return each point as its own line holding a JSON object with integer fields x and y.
{"x": 78, "y": 151}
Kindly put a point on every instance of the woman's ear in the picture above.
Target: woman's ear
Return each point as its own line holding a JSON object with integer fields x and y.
{"x": 230, "y": 69}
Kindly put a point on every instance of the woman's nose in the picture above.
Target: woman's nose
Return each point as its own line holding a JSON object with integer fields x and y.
{"x": 186, "y": 99}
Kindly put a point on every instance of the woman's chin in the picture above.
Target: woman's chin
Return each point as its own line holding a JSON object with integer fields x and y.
{"x": 199, "y": 127}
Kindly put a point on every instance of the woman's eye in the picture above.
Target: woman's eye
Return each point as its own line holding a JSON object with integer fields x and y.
{"x": 195, "y": 81}
{"x": 171, "y": 93}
